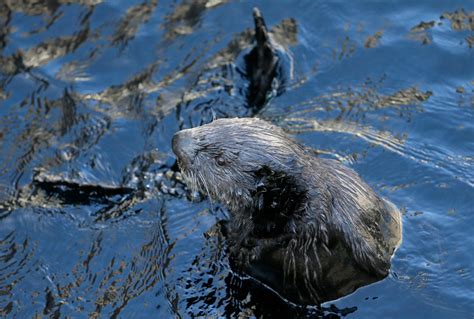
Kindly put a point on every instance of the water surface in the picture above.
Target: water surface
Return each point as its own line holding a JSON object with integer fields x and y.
{"x": 92, "y": 91}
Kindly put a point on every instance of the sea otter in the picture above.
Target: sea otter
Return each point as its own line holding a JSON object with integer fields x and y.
{"x": 309, "y": 228}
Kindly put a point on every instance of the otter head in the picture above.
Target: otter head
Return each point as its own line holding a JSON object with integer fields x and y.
{"x": 235, "y": 160}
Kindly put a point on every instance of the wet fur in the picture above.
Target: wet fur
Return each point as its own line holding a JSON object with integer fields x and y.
{"x": 294, "y": 217}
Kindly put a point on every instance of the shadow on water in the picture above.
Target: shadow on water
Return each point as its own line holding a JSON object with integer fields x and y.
{"x": 95, "y": 219}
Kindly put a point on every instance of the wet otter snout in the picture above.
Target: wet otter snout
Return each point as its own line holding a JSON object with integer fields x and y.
{"x": 184, "y": 147}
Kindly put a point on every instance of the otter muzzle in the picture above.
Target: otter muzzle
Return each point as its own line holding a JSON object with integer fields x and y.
{"x": 184, "y": 147}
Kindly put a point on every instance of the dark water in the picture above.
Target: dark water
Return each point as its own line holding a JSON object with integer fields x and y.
{"x": 91, "y": 93}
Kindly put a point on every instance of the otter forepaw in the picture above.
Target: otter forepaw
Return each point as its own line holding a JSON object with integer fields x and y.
{"x": 244, "y": 257}
{"x": 250, "y": 242}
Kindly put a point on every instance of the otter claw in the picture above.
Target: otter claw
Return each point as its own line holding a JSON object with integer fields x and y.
{"x": 243, "y": 256}
{"x": 249, "y": 243}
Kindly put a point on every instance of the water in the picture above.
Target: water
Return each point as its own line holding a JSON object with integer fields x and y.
{"x": 91, "y": 93}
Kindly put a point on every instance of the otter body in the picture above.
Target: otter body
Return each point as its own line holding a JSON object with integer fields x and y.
{"x": 307, "y": 227}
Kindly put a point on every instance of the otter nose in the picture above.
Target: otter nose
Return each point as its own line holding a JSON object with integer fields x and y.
{"x": 184, "y": 147}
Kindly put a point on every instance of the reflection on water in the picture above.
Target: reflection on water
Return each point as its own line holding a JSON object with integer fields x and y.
{"x": 186, "y": 16}
{"x": 92, "y": 91}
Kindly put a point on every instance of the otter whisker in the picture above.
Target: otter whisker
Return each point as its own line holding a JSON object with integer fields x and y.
{"x": 203, "y": 182}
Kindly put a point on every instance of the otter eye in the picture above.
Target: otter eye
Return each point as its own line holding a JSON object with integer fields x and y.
{"x": 220, "y": 161}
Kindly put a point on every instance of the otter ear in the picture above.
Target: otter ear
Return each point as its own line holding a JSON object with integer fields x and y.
{"x": 276, "y": 193}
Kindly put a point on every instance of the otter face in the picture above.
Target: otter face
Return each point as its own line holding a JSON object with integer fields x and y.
{"x": 224, "y": 158}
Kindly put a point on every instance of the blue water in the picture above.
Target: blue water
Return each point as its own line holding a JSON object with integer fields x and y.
{"x": 91, "y": 92}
